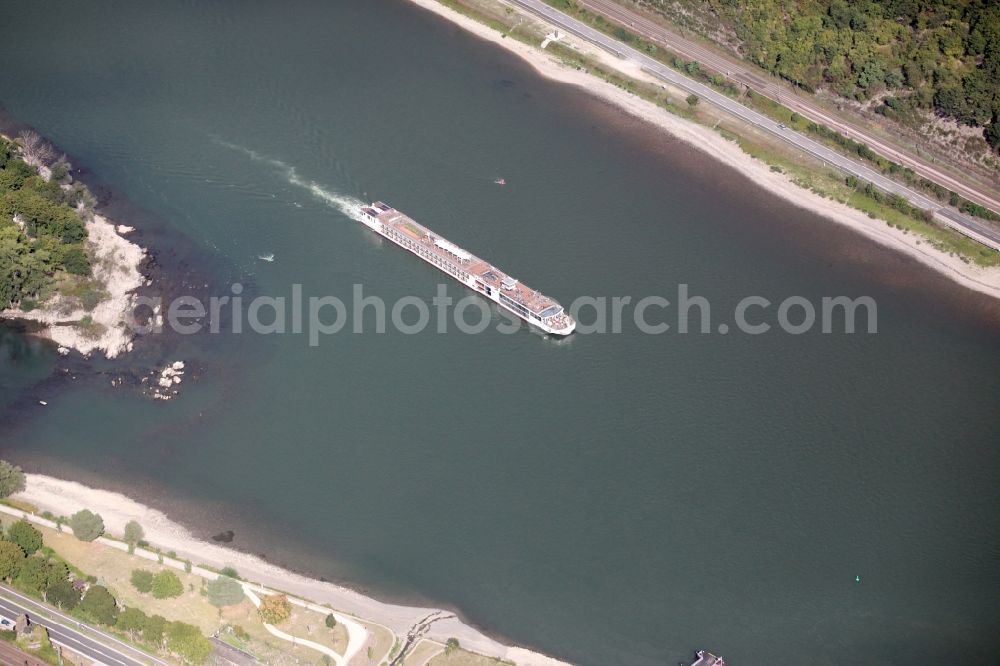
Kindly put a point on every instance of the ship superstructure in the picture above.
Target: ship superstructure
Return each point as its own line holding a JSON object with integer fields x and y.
{"x": 509, "y": 293}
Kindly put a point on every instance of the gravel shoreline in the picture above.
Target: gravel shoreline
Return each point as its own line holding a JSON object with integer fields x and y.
{"x": 67, "y": 497}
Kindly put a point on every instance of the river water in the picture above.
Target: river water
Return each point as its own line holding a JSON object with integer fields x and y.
{"x": 611, "y": 499}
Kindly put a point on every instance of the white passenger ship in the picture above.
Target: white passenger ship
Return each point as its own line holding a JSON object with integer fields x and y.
{"x": 532, "y": 306}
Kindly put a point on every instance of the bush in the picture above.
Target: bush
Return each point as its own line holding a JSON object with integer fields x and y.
{"x": 451, "y": 645}
{"x": 154, "y": 629}
{"x": 11, "y": 476}
{"x": 224, "y": 591}
{"x": 167, "y": 585}
{"x": 187, "y": 642}
{"x": 26, "y": 536}
{"x": 142, "y": 580}
{"x": 275, "y": 609}
{"x": 229, "y": 571}
{"x": 60, "y": 170}
{"x": 692, "y": 100}
{"x": 99, "y": 605}
{"x": 131, "y": 621}
{"x": 86, "y": 525}
{"x": 331, "y": 621}
{"x": 75, "y": 261}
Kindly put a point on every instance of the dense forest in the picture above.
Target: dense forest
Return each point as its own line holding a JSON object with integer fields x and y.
{"x": 41, "y": 232}
{"x": 916, "y": 54}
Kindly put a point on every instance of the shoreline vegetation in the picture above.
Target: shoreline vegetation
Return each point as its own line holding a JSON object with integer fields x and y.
{"x": 77, "y": 523}
{"x": 65, "y": 266}
{"x": 802, "y": 180}
{"x": 768, "y": 106}
{"x": 921, "y": 72}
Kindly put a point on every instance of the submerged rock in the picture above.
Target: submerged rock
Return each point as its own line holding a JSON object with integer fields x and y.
{"x": 224, "y": 537}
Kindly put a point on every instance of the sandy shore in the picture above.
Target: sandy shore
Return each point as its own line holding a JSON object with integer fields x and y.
{"x": 116, "y": 266}
{"x": 984, "y": 280}
{"x": 67, "y": 497}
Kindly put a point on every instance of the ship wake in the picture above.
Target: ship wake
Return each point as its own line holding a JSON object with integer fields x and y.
{"x": 346, "y": 204}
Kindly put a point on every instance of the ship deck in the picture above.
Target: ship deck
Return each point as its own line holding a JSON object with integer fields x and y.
{"x": 535, "y": 301}
{"x": 703, "y": 658}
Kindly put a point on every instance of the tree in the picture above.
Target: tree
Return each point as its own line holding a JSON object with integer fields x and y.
{"x": 992, "y": 134}
{"x": 100, "y": 605}
{"x": 31, "y": 575}
{"x": 451, "y": 645}
{"x": 692, "y": 100}
{"x": 331, "y": 621}
{"x": 36, "y": 149}
{"x": 224, "y": 591}
{"x": 167, "y": 585}
{"x": 131, "y": 621}
{"x": 142, "y": 580}
{"x": 133, "y": 534}
{"x": 11, "y": 476}
{"x": 63, "y": 594}
{"x": 11, "y": 557}
{"x": 275, "y": 609}
{"x": 55, "y": 571}
{"x": 187, "y": 642}
{"x": 26, "y": 536}
{"x": 86, "y": 525}
{"x": 154, "y": 629}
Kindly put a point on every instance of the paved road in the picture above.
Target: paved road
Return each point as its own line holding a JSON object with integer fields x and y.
{"x": 63, "y": 631}
{"x": 949, "y": 216}
{"x": 740, "y": 71}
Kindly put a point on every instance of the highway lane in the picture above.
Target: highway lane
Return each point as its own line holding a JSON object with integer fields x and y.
{"x": 65, "y": 631}
{"x": 951, "y": 217}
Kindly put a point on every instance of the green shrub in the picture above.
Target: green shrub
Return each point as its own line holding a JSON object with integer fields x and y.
{"x": 167, "y": 585}
{"x": 187, "y": 642}
{"x": 142, "y": 580}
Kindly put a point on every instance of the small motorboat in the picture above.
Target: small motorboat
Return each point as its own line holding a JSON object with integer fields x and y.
{"x": 500, "y": 181}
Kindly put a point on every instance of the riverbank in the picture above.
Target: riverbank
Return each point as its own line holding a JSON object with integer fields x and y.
{"x": 67, "y": 497}
{"x": 85, "y": 312}
{"x": 710, "y": 141}
{"x": 103, "y": 327}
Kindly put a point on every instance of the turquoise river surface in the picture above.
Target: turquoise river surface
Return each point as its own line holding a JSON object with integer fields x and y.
{"x": 610, "y": 499}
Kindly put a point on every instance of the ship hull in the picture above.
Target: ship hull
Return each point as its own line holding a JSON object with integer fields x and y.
{"x": 470, "y": 282}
